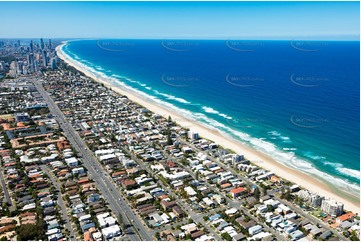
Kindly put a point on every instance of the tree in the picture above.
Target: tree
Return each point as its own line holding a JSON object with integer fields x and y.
{"x": 226, "y": 236}
{"x": 121, "y": 222}
{"x": 354, "y": 236}
{"x": 257, "y": 193}
{"x": 286, "y": 195}
{"x": 169, "y": 138}
{"x": 28, "y": 232}
{"x": 270, "y": 208}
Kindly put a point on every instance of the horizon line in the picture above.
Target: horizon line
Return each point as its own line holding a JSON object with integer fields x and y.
{"x": 176, "y": 38}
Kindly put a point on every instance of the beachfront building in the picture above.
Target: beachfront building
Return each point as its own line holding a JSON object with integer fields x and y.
{"x": 314, "y": 199}
{"x": 332, "y": 207}
{"x": 193, "y": 135}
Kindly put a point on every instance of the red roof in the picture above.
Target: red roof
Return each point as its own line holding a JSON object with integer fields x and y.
{"x": 171, "y": 164}
{"x": 118, "y": 173}
{"x": 238, "y": 190}
{"x": 346, "y": 216}
{"x": 84, "y": 180}
{"x": 128, "y": 182}
{"x": 225, "y": 185}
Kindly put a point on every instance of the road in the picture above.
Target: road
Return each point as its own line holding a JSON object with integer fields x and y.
{"x": 97, "y": 173}
{"x": 60, "y": 202}
{"x": 6, "y": 191}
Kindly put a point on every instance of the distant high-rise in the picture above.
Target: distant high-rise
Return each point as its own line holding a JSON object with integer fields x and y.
{"x": 2, "y": 65}
{"x": 45, "y": 58}
{"x": 13, "y": 69}
{"x": 50, "y": 47}
{"x": 31, "y": 62}
{"x": 53, "y": 63}
{"x": 19, "y": 67}
{"x": 24, "y": 69}
{"x": 42, "y": 46}
{"x": 32, "y": 46}
{"x": 36, "y": 65}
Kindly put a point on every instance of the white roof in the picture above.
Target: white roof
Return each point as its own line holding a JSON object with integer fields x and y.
{"x": 189, "y": 226}
{"x": 29, "y": 206}
{"x": 71, "y": 160}
{"x": 231, "y": 211}
{"x": 84, "y": 217}
{"x": 102, "y": 152}
{"x": 208, "y": 201}
{"x": 255, "y": 228}
{"x": 107, "y": 157}
{"x": 165, "y": 216}
{"x": 97, "y": 235}
{"x": 52, "y": 231}
{"x": 103, "y": 215}
{"x": 111, "y": 230}
{"x": 190, "y": 191}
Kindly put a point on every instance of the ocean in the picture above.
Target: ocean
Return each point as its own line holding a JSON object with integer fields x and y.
{"x": 297, "y": 101}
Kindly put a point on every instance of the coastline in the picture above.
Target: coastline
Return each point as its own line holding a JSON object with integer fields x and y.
{"x": 268, "y": 163}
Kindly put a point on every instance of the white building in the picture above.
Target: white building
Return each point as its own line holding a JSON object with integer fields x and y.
{"x": 71, "y": 161}
{"x": 111, "y": 232}
{"x": 193, "y": 135}
{"x": 190, "y": 191}
{"x": 255, "y": 229}
{"x": 313, "y": 199}
{"x": 79, "y": 170}
{"x": 332, "y": 207}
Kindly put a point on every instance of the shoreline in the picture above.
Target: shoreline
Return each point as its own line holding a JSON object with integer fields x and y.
{"x": 268, "y": 162}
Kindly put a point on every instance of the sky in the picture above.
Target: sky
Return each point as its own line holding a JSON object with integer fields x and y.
{"x": 183, "y": 20}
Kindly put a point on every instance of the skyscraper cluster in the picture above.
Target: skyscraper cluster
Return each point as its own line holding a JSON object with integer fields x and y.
{"x": 30, "y": 56}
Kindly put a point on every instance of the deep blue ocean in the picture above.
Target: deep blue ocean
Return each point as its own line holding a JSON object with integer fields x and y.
{"x": 297, "y": 101}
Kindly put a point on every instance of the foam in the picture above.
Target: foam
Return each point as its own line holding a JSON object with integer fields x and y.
{"x": 213, "y": 111}
{"x": 349, "y": 172}
{"x": 209, "y": 110}
{"x": 171, "y": 97}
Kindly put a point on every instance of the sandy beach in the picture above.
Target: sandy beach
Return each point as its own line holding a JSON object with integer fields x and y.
{"x": 269, "y": 163}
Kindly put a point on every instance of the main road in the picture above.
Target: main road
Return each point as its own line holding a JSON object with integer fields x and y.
{"x": 97, "y": 173}
{"x": 6, "y": 191}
